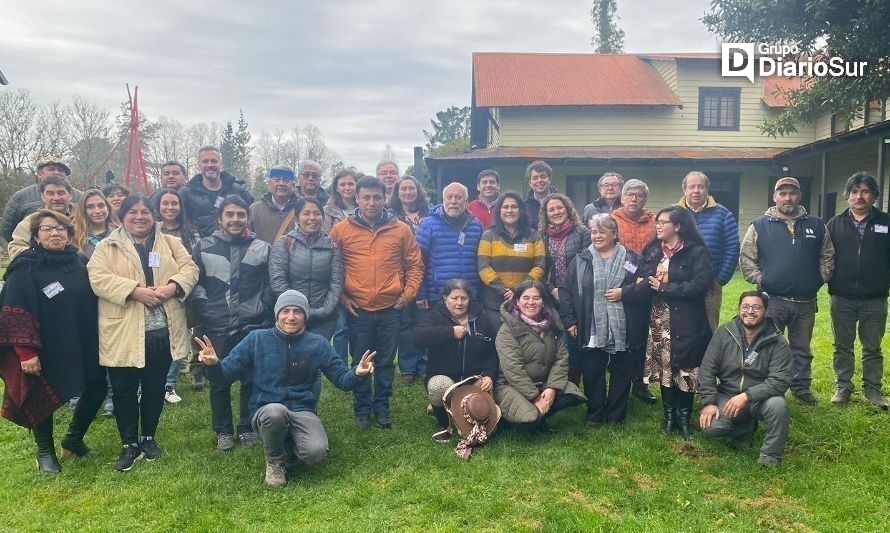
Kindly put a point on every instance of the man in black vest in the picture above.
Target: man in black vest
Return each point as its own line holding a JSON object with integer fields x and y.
{"x": 789, "y": 255}
{"x": 858, "y": 288}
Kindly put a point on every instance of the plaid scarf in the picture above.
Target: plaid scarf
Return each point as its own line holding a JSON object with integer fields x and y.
{"x": 608, "y": 328}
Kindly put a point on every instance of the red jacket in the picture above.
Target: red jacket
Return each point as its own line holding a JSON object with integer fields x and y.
{"x": 482, "y": 213}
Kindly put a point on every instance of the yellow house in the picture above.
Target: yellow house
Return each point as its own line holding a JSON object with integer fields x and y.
{"x": 653, "y": 117}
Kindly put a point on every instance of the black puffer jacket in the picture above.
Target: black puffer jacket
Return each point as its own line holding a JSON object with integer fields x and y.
{"x": 689, "y": 276}
{"x": 200, "y": 203}
{"x": 472, "y": 355}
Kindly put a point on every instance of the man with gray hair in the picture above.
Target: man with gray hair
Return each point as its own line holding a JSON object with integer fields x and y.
{"x": 448, "y": 238}
{"x": 610, "y": 186}
{"x": 388, "y": 172}
{"x": 719, "y": 230}
{"x": 204, "y": 193}
{"x": 309, "y": 186}
{"x": 270, "y": 216}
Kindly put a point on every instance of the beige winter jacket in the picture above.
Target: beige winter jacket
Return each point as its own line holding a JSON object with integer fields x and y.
{"x": 115, "y": 270}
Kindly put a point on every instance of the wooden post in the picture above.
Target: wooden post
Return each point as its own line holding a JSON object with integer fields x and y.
{"x": 823, "y": 189}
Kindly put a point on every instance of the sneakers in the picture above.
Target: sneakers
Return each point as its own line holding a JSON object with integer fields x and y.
{"x": 442, "y": 435}
{"x": 275, "y": 474}
{"x": 384, "y": 419}
{"x": 876, "y": 398}
{"x": 171, "y": 397}
{"x": 247, "y": 439}
{"x": 841, "y": 396}
{"x": 225, "y": 443}
{"x": 806, "y": 397}
{"x": 150, "y": 448}
{"x": 767, "y": 461}
{"x": 363, "y": 421}
{"x": 72, "y": 403}
{"x": 128, "y": 457}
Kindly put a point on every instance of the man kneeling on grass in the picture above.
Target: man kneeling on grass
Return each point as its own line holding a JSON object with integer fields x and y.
{"x": 282, "y": 404}
{"x": 744, "y": 376}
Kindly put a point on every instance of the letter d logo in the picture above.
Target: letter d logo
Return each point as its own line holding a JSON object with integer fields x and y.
{"x": 737, "y": 59}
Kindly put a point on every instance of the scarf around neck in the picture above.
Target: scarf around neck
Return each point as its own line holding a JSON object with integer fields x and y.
{"x": 608, "y": 328}
{"x": 540, "y": 327}
{"x": 556, "y": 244}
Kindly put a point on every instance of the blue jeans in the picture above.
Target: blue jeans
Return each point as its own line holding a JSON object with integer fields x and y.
{"x": 376, "y": 331}
{"x": 412, "y": 360}
{"x": 341, "y": 336}
{"x": 173, "y": 373}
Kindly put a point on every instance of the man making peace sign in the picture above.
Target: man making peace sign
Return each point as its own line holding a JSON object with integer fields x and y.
{"x": 282, "y": 404}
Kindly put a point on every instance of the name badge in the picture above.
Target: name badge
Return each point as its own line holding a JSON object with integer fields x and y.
{"x": 460, "y": 238}
{"x": 53, "y": 289}
{"x": 630, "y": 267}
{"x": 751, "y": 358}
{"x": 521, "y": 248}
{"x": 154, "y": 260}
{"x": 219, "y": 200}
{"x": 880, "y": 228}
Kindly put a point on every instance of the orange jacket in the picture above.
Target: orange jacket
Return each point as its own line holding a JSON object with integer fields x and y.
{"x": 635, "y": 234}
{"x": 381, "y": 264}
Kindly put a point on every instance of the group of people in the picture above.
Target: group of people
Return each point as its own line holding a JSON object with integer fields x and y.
{"x": 504, "y": 306}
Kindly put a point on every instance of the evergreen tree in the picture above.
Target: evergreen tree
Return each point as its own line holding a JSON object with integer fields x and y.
{"x": 607, "y": 38}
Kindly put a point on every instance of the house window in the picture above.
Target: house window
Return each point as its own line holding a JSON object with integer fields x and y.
{"x": 839, "y": 125}
{"x": 718, "y": 108}
{"x": 874, "y": 112}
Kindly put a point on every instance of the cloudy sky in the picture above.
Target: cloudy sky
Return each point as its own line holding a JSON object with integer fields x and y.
{"x": 366, "y": 73}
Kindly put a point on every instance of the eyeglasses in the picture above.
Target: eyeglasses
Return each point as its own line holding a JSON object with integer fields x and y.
{"x": 51, "y": 229}
{"x": 662, "y": 222}
{"x": 635, "y": 195}
{"x": 610, "y": 185}
{"x": 745, "y": 308}
{"x": 310, "y": 175}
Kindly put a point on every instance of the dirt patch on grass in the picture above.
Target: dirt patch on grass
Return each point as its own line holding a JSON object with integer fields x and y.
{"x": 601, "y": 507}
{"x": 688, "y": 450}
{"x": 644, "y": 482}
{"x": 612, "y": 472}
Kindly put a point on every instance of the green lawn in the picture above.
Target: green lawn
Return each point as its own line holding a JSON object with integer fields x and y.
{"x": 834, "y": 478}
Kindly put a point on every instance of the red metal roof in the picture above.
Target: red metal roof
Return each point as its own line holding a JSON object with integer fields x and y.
{"x": 683, "y": 55}
{"x": 520, "y": 79}
{"x": 617, "y": 153}
{"x": 771, "y": 84}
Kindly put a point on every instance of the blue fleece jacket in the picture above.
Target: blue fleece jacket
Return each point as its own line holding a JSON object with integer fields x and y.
{"x": 284, "y": 368}
{"x": 720, "y": 231}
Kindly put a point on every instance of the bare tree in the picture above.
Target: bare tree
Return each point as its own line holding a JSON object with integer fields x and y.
{"x": 201, "y": 134}
{"x": 53, "y": 130}
{"x": 388, "y": 154}
{"x": 89, "y": 142}
{"x": 17, "y": 143}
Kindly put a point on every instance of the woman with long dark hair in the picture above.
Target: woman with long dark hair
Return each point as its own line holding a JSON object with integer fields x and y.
{"x": 169, "y": 211}
{"x": 533, "y": 382}
{"x": 677, "y": 268}
{"x": 49, "y": 349}
{"x": 341, "y": 204}
{"x": 510, "y": 252}
{"x": 410, "y": 204}
{"x": 141, "y": 277}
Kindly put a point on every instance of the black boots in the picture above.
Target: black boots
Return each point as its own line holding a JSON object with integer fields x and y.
{"x": 667, "y": 401}
{"x": 47, "y": 462}
{"x": 684, "y": 401}
{"x": 443, "y": 424}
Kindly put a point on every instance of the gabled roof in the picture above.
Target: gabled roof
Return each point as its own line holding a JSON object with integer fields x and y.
{"x": 522, "y": 79}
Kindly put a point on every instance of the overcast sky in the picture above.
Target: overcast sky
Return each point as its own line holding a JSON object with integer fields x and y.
{"x": 366, "y": 73}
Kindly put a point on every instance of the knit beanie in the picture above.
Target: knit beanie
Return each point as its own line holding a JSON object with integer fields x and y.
{"x": 290, "y": 298}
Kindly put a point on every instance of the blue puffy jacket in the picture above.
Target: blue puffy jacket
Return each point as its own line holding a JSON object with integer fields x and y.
{"x": 446, "y": 254}
{"x": 284, "y": 368}
{"x": 720, "y": 231}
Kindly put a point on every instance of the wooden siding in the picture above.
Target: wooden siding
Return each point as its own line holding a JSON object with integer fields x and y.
{"x": 649, "y": 126}
{"x": 667, "y": 69}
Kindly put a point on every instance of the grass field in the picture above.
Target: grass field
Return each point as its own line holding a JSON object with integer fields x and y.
{"x": 631, "y": 478}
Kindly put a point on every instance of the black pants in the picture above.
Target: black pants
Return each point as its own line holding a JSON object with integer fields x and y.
{"x": 602, "y": 406}
{"x": 91, "y": 399}
{"x": 125, "y": 383}
{"x": 638, "y": 360}
{"x": 221, "y": 392}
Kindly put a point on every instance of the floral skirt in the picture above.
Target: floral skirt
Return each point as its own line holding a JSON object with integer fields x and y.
{"x": 658, "y": 353}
